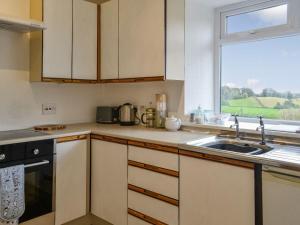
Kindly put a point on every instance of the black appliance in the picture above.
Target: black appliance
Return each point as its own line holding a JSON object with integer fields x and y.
{"x": 38, "y": 158}
{"x": 107, "y": 114}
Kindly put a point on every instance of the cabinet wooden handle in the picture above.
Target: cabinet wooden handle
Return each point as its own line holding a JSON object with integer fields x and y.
{"x": 145, "y": 218}
{"x": 153, "y": 168}
{"x": 152, "y": 194}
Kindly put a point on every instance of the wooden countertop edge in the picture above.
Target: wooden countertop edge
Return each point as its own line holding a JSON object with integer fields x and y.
{"x": 158, "y": 147}
{"x": 215, "y": 158}
{"x": 72, "y": 138}
{"x": 109, "y": 139}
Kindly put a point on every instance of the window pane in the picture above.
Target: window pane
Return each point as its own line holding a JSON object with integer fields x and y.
{"x": 262, "y": 78}
{"x": 258, "y": 19}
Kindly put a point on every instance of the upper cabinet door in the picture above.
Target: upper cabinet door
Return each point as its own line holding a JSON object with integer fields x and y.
{"x": 109, "y": 40}
{"x": 141, "y": 38}
{"x": 57, "y": 38}
{"x": 85, "y": 43}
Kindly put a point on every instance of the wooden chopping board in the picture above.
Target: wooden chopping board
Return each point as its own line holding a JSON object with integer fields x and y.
{"x": 50, "y": 127}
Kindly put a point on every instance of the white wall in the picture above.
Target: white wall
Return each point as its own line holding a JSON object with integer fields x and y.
{"x": 199, "y": 85}
{"x": 199, "y": 55}
{"x": 141, "y": 94}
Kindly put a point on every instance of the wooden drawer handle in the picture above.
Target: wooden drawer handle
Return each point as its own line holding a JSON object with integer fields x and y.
{"x": 145, "y": 218}
{"x": 153, "y": 168}
{"x": 152, "y": 194}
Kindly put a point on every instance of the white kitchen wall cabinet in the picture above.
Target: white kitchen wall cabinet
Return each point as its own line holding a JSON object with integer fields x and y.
{"x": 85, "y": 40}
{"x": 109, "y": 181}
{"x": 214, "y": 193}
{"x": 68, "y": 49}
{"x": 141, "y": 38}
{"x": 57, "y": 39}
{"x": 71, "y": 179}
{"x": 110, "y": 40}
{"x": 150, "y": 40}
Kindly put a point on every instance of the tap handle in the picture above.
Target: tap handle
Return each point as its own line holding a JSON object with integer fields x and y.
{"x": 261, "y": 120}
{"x": 235, "y": 117}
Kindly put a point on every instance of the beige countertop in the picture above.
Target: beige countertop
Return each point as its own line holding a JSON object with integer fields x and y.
{"x": 136, "y": 133}
{"x": 289, "y": 155}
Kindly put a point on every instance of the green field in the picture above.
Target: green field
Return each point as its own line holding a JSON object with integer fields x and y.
{"x": 253, "y": 106}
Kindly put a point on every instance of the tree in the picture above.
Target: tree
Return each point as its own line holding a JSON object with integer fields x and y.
{"x": 248, "y": 92}
{"x": 289, "y": 95}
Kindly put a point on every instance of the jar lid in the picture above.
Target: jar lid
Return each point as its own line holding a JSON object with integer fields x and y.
{"x": 148, "y": 110}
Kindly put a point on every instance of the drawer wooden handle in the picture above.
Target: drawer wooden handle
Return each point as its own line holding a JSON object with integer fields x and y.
{"x": 145, "y": 218}
{"x": 152, "y": 194}
{"x": 153, "y": 168}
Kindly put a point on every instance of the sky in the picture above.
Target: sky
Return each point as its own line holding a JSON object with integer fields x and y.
{"x": 273, "y": 63}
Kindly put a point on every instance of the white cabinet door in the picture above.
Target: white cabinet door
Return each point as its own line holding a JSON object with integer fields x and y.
{"x": 85, "y": 44}
{"x": 141, "y": 38}
{"x": 109, "y": 181}
{"x": 213, "y": 193}
{"x": 281, "y": 197}
{"x": 71, "y": 181}
{"x": 110, "y": 40}
{"x": 57, "y": 39}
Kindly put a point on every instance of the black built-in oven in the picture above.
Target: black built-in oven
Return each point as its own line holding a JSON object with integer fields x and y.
{"x": 38, "y": 159}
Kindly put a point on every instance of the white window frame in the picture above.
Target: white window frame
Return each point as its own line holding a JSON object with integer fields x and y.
{"x": 255, "y": 32}
{"x": 221, "y": 38}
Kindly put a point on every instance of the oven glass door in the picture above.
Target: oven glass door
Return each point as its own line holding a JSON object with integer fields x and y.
{"x": 38, "y": 188}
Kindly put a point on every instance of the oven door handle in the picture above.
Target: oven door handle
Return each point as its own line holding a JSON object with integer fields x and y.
{"x": 44, "y": 162}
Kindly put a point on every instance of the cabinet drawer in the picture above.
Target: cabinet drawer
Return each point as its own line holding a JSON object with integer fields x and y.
{"x": 152, "y": 181}
{"x": 154, "y": 208}
{"x": 153, "y": 157}
{"x": 136, "y": 221}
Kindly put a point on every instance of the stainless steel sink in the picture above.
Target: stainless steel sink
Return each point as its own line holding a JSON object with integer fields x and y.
{"x": 232, "y": 145}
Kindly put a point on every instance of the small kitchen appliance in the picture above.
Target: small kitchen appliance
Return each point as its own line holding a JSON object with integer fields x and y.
{"x": 161, "y": 110}
{"x": 128, "y": 115}
{"x": 107, "y": 114}
{"x": 148, "y": 118}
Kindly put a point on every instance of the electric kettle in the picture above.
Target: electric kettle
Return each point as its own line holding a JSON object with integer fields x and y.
{"x": 128, "y": 115}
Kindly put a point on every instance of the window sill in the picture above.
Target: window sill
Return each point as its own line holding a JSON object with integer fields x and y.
{"x": 274, "y": 130}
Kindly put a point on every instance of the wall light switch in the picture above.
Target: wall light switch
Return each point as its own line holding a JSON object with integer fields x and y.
{"x": 49, "y": 109}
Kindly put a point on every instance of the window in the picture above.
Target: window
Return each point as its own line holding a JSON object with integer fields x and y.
{"x": 270, "y": 17}
{"x": 258, "y": 73}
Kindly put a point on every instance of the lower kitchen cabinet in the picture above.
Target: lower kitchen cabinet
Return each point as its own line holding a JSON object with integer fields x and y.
{"x": 71, "y": 179}
{"x": 109, "y": 181}
{"x": 214, "y": 193}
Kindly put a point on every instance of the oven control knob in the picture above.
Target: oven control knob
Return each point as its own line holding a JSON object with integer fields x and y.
{"x": 2, "y": 156}
{"x": 36, "y": 151}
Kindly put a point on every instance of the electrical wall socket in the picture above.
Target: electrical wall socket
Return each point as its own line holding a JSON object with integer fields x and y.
{"x": 49, "y": 109}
